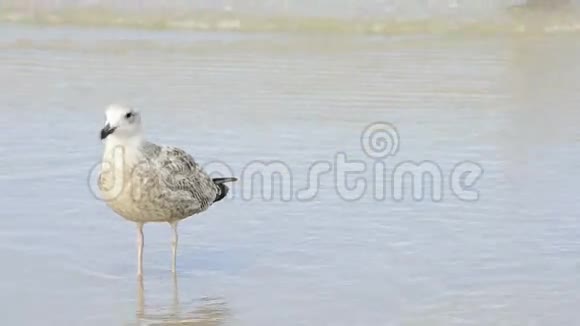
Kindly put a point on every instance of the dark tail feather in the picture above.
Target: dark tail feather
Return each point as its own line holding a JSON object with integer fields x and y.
{"x": 223, "y": 180}
{"x": 223, "y": 189}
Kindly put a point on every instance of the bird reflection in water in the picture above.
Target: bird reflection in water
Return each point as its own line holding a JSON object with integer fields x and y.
{"x": 211, "y": 312}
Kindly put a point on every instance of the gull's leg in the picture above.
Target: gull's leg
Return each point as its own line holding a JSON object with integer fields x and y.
{"x": 140, "y": 299}
{"x": 174, "y": 246}
{"x": 140, "y": 242}
{"x": 175, "y": 304}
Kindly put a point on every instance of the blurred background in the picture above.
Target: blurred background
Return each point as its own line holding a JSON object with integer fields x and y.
{"x": 491, "y": 81}
{"x": 382, "y": 17}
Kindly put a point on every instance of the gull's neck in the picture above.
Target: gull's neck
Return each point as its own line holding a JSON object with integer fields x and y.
{"x": 127, "y": 148}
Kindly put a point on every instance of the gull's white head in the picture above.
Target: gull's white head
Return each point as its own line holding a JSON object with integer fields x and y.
{"x": 122, "y": 123}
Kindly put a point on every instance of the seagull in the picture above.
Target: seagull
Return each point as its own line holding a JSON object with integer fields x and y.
{"x": 144, "y": 182}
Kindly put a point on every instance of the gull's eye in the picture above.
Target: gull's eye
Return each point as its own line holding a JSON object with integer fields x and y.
{"x": 129, "y": 115}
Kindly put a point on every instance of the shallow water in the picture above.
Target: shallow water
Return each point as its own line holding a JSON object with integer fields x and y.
{"x": 508, "y": 103}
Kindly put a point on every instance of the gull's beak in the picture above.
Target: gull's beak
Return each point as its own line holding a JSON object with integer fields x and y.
{"x": 107, "y": 131}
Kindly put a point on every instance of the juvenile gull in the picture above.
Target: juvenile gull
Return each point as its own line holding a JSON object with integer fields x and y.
{"x": 144, "y": 182}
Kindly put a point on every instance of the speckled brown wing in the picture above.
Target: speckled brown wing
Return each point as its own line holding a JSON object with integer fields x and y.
{"x": 180, "y": 173}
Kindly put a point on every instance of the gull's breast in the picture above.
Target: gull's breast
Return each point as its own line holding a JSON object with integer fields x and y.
{"x": 139, "y": 194}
